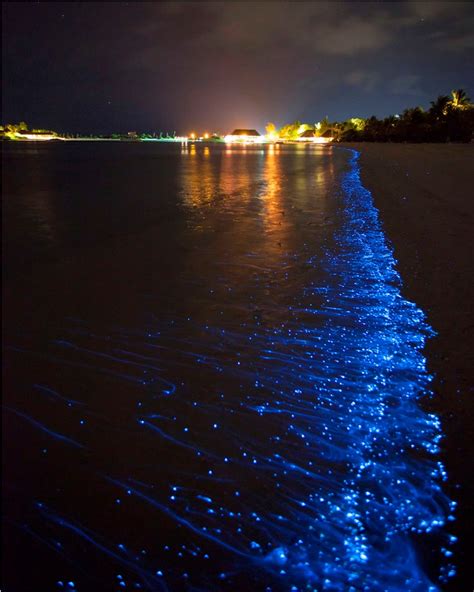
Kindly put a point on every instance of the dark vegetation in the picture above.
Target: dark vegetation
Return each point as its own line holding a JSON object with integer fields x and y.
{"x": 449, "y": 119}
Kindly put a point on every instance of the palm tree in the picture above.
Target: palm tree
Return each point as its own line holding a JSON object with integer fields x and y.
{"x": 413, "y": 115}
{"x": 440, "y": 107}
{"x": 390, "y": 121}
{"x": 460, "y": 99}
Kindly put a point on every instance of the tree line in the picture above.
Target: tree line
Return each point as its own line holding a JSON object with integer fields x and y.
{"x": 449, "y": 119}
{"x": 11, "y": 130}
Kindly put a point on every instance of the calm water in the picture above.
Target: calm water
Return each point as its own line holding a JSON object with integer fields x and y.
{"x": 211, "y": 378}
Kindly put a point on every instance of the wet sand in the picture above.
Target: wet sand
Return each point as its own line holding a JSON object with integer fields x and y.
{"x": 425, "y": 195}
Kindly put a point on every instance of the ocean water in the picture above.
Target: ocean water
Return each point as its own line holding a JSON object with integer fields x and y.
{"x": 212, "y": 379}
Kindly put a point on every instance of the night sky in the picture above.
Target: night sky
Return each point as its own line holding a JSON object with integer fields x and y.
{"x": 102, "y": 67}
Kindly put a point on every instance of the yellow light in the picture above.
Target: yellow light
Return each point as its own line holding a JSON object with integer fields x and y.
{"x": 35, "y": 137}
{"x": 319, "y": 140}
{"x": 192, "y": 135}
{"x": 244, "y": 139}
{"x": 206, "y": 136}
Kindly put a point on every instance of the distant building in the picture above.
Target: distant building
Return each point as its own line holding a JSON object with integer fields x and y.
{"x": 132, "y": 135}
{"x": 307, "y": 136}
{"x": 312, "y": 136}
{"x": 328, "y": 135}
{"x": 244, "y": 136}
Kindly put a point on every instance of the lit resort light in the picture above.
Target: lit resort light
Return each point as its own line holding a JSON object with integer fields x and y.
{"x": 192, "y": 136}
{"x": 310, "y": 136}
{"x": 33, "y": 136}
{"x": 272, "y": 137}
{"x": 40, "y": 137}
{"x": 206, "y": 136}
{"x": 322, "y": 140}
{"x": 244, "y": 136}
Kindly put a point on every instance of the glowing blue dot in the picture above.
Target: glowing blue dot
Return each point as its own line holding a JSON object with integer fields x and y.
{"x": 254, "y": 545}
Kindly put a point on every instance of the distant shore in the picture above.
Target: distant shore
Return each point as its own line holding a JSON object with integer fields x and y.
{"x": 85, "y": 139}
{"x": 425, "y": 196}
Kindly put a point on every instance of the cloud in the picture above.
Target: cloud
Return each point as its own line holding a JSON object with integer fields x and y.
{"x": 354, "y": 35}
{"x": 362, "y": 79}
{"x": 406, "y": 84}
{"x": 322, "y": 28}
{"x": 437, "y": 10}
{"x": 294, "y": 31}
{"x": 462, "y": 42}
{"x": 459, "y": 42}
{"x": 454, "y": 22}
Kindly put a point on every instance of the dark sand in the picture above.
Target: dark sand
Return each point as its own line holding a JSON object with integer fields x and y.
{"x": 425, "y": 195}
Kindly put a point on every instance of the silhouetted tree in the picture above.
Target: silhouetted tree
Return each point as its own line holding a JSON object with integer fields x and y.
{"x": 439, "y": 108}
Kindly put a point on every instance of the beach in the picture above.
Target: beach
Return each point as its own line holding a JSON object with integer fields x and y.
{"x": 424, "y": 194}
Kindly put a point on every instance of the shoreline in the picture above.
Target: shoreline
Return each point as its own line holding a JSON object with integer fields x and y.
{"x": 424, "y": 196}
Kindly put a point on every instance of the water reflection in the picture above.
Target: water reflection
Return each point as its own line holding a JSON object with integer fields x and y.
{"x": 34, "y": 211}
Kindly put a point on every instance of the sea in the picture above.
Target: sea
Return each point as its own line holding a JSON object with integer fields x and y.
{"x": 211, "y": 377}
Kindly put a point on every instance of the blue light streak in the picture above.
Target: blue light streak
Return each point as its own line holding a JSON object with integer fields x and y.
{"x": 44, "y": 428}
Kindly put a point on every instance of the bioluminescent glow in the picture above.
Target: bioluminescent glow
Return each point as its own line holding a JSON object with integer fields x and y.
{"x": 276, "y": 456}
